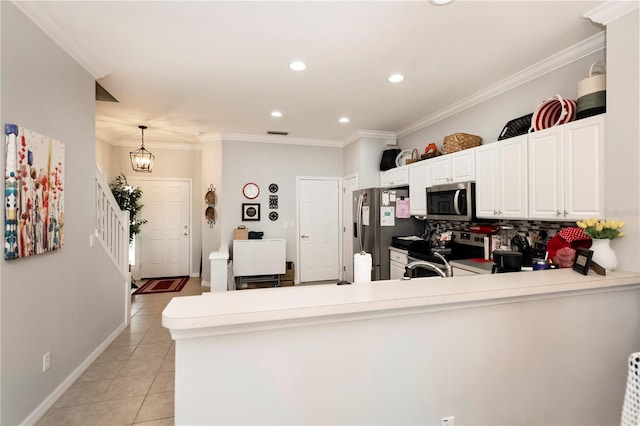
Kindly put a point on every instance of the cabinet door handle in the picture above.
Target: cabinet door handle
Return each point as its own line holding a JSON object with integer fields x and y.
{"x": 565, "y": 213}
{"x": 304, "y": 236}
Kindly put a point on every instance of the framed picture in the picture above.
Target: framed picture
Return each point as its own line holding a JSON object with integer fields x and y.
{"x": 583, "y": 260}
{"x": 250, "y": 211}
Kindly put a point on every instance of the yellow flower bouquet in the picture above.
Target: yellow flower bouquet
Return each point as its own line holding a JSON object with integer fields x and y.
{"x": 601, "y": 229}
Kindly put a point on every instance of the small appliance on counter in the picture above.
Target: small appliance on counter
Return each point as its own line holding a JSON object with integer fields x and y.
{"x": 521, "y": 244}
{"x": 506, "y": 261}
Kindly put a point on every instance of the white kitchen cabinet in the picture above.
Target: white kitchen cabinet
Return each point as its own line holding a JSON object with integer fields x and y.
{"x": 397, "y": 261}
{"x": 501, "y": 179}
{"x": 566, "y": 171}
{"x": 419, "y": 180}
{"x": 452, "y": 168}
{"x": 398, "y": 176}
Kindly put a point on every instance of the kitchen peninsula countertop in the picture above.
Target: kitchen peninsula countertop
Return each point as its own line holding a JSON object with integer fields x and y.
{"x": 246, "y": 310}
{"x": 473, "y": 265}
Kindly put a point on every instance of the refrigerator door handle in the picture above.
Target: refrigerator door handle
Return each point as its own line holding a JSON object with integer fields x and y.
{"x": 456, "y": 201}
{"x": 359, "y": 222}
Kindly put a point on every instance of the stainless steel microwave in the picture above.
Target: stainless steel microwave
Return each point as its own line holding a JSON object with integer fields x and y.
{"x": 456, "y": 201}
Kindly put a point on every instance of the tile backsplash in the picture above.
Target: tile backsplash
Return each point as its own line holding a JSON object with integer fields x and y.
{"x": 522, "y": 226}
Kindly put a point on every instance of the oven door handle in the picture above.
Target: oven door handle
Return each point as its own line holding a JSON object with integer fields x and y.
{"x": 456, "y": 202}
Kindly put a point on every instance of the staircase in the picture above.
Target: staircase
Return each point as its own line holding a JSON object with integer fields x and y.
{"x": 112, "y": 232}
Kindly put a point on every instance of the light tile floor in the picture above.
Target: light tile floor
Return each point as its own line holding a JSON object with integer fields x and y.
{"x": 132, "y": 381}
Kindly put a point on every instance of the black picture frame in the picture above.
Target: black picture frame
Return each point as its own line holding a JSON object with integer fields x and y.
{"x": 582, "y": 263}
{"x": 250, "y": 212}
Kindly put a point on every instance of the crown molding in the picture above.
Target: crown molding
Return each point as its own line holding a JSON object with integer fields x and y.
{"x": 239, "y": 137}
{"x": 610, "y": 11}
{"x": 577, "y": 51}
{"x": 390, "y": 137}
{"x": 136, "y": 144}
{"x": 37, "y": 14}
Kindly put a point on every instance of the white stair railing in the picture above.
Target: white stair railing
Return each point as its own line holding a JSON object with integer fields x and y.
{"x": 112, "y": 226}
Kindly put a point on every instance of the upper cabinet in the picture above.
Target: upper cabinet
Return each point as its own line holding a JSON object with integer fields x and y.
{"x": 501, "y": 179}
{"x": 566, "y": 170}
{"x": 456, "y": 167}
{"x": 419, "y": 180}
{"x": 398, "y": 176}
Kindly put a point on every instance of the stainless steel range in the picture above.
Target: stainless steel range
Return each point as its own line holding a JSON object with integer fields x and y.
{"x": 463, "y": 245}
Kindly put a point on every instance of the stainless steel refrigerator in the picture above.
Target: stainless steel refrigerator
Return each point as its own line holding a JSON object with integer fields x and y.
{"x": 374, "y": 225}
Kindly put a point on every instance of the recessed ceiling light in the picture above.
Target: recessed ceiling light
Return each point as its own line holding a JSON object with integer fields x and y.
{"x": 297, "y": 66}
{"x": 276, "y": 114}
{"x": 344, "y": 120}
{"x": 396, "y": 78}
{"x": 441, "y": 2}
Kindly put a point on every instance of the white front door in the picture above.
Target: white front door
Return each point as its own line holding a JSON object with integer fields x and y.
{"x": 350, "y": 184}
{"x": 319, "y": 229}
{"x": 165, "y": 238}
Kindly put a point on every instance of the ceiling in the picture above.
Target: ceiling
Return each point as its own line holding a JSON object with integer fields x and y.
{"x": 188, "y": 69}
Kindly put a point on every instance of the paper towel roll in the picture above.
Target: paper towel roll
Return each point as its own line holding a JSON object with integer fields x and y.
{"x": 362, "y": 267}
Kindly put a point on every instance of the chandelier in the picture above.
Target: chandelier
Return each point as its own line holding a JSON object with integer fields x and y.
{"x": 141, "y": 159}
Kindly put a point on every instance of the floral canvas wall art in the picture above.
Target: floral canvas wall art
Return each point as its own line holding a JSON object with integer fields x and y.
{"x": 34, "y": 193}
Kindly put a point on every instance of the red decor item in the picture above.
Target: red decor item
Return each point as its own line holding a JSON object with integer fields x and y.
{"x": 576, "y": 236}
{"x": 553, "y": 112}
{"x": 565, "y": 257}
{"x": 573, "y": 234}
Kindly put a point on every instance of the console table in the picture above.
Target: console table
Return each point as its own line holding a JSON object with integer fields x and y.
{"x": 259, "y": 260}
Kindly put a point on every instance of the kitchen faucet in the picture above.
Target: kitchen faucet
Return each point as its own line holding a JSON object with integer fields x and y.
{"x": 447, "y": 272}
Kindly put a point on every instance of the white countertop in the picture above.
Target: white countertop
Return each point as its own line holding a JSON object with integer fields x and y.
{"x": 473, "y": 266}
{"x": 235, "y": 311}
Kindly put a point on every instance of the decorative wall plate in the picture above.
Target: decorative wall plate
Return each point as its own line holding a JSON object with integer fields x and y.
{"x": 250, "y": 211}
{"x": 273, "y": 188}
{"x": 273, "y": 201}
{"x": 251, "y": 190}
{"x": 273, "y": 215}
{"x": 210, "y": 196}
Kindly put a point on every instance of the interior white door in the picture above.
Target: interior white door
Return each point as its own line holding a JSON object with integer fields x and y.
{"x": 349, "y": 185}
{"x": 164, "y": 239}
{"x": 319, "y": 227}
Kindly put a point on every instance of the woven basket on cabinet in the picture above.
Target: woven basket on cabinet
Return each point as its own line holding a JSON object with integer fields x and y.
{"x": 460, "y": 141}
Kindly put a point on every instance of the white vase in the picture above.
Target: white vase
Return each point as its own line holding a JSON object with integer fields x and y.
{"x": 603, "y": 254}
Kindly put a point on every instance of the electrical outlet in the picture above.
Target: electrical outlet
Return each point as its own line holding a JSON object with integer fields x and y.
{"x": 448, "y": 421}
{"x": 46, "y": 361}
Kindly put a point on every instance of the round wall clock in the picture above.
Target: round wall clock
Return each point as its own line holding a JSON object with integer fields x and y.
{"x": 251, "y": 190}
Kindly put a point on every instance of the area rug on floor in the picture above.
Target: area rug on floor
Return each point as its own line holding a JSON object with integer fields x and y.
{"x": 162, "y": 285}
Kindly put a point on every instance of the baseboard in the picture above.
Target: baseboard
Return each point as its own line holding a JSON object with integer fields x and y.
{"x": 48, "y": 402}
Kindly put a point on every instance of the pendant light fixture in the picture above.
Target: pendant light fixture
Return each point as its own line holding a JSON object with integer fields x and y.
{"x": 141, "y": 159}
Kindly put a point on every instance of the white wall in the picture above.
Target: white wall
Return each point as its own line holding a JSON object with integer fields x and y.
{"x": 362, "y": 157}
{"x": 266, "y": 163}
{"x": 211, "y": 175}
{"x": 623, "y": 134}
{"x": 104, "y": 159}
{"x": 69, "y": 301}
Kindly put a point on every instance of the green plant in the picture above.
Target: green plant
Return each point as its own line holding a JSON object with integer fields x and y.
{"x": 128, "y": 198}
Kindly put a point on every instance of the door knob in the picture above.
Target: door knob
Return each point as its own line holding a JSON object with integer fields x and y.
{"x": 186, "y": 233}
{"x": 304, "y": 236}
